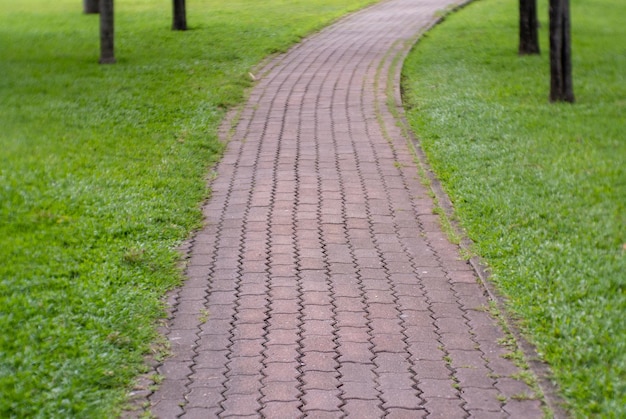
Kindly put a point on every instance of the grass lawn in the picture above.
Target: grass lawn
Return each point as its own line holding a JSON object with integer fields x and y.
{"x": 102, "y": 174}
{"x": 539, "y": 187}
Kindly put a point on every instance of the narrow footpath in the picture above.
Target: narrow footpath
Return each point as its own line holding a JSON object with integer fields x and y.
{"x": 322, "y": 285}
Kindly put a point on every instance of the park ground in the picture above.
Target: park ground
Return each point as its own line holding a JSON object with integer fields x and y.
{"x": 102, "y": 172}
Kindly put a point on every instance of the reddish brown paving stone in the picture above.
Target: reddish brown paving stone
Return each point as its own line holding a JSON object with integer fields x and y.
{"x": 162, "y": 409}
{"x": 403, "y": 399}
{"x": 444, "y": 408}
{"x": 363, "y": 409}
{"x": 523, "y": 408}
{"x": 397, "y": 413}
{"x": 241, "y": 405}
{"x": 281, "y": 371}
{"x": 476, "y": 377}
{"x": 320, "y": 380}
{"x": 282, "y": 391}
{"x": 199, "y": 413}
{"x": 204, "y": 397}
{"x": 481, "y": 399}
{"x": 478, "y": 413}
{"x": 290, "y": 409}
{"x": 325, "y": 400}
{"x": 359, "y": 390}
{"x": 437, "y": 388}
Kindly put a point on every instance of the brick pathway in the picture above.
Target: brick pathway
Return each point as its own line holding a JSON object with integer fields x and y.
{"x": 322, "y": 285}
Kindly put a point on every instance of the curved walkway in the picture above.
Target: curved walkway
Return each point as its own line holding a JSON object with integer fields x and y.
{"x": 322, "y": 285}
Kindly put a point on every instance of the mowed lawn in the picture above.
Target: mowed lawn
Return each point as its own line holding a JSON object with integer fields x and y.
{"x": 102, "y": 174}
{"x": 539, "y": 187}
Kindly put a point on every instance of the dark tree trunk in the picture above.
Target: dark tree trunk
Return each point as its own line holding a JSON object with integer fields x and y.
{"x": 90, "y": 6}
{"x": 107, "y": 31}
{"x": 528, "y": 27}
{"x": 561, "y": 85}
{"x": 180, "y": 16}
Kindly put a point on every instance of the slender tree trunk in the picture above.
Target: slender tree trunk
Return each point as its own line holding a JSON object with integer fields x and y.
{"x": 180, "y": 16}
{"x": 107, "y": 32}
{"x": 528, "y": 27}
{"x": 561, "y": 84}
{"x": 90, "y": 6}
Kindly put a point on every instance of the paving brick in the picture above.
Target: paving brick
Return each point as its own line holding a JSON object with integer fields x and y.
{"x": 437, "y": 388}
{"x": 282, "y": 353}
{"x": 524, "y": 408}
{"x": 353, "y": 334}
{"x": 320, "y": 380}
{"x": 350, "y": 319}
{"x": 422, "y": 334}
{"x": 459, "y": 341}
{"x": 318, "y": 361}
{"x": 444, "y": 408}
{"x": 287, "y": 410}
{"x": 175, "y": 370}
{"x": 281, "y": 337}
{"x": 386, "y": 326}
{"x": 281, "y": 371}
{"x": 211, "y": 359}
{"x": 451, "y": 325}
{"x": 356, "y": 372}
{"x": 398, "y": 413}
{"x": 478, "y": 413}
{"x": 391, "y": 362}
{"x": 200, "y": 413}
{"x": 475, "y": 377}
{"x": 437, "y": 369}
{"x": 207, "y": 377}
{"x": 512, "y": 387}
{"x": 466, "y": 359}
{"x": 428, "y": 350}
{"x": 203, "y": 397}
{"x": 324, "y": 414}
{"x": 403, "y": 399}
{"x": 241, "y": 405}
{"x": 318, "y": 343}
{"x": 283, "y": 391}
{"x": 389, "y": 382}
{"x": 388, "y": 343}
{"x": 245, "y": 365}
{"x": 278, "y": 321}
{"x": 166, "y": 409}
{"x": 363, "y": 409}
{"x": 359, "y": 390}
{"x": 355, "y": 352}
{"x": 481, "y": 399}
{"x": 325, "y": 400}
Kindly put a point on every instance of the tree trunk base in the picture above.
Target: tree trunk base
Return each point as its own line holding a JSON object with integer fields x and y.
{"x": 561, "y": 84}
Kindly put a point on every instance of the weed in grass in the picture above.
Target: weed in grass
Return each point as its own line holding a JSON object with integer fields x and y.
{"x": 538, "y": 187}
{"x": 517, "y": 357}
{"x": 204, "y": 316}
{"x": 524, "y": 376}
{"x": 523, "y": 396}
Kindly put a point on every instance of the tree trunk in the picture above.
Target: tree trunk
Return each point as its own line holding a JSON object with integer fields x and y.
{"x": 90, "y": 7}
{"x": 107, "y": 31}
{"x": 180, "y": 16}
{"x": 561, "y": 85}
{"x": 528, "y": 27}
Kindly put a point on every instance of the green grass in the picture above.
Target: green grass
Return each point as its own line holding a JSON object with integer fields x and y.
{"x": 102, "y": 174}
{"x": 539, "y": 187}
